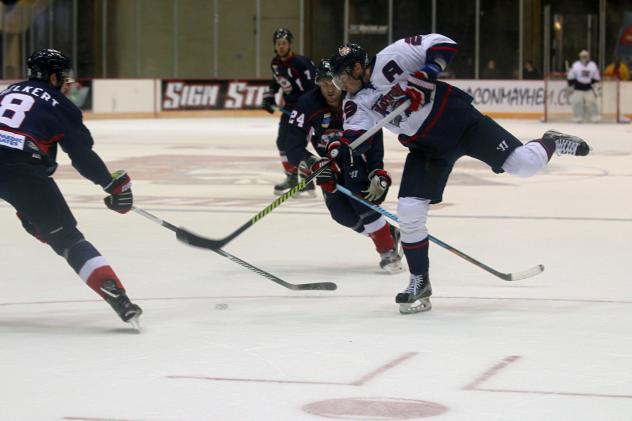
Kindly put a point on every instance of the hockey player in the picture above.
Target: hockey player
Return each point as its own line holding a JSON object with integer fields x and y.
{"x": 35, "y": 117}
{"x": 583, "y": 81}
{"x": 294, "y": 75}
{"x": 318, "y": 117}
{"x": 440, "y": 126}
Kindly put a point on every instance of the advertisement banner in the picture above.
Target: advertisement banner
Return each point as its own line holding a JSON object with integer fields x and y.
{"x": 215, "y": 94}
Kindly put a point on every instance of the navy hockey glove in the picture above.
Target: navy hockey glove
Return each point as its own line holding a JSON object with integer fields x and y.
{"x": 341, "y": 153}
{"x": 269, "y": 102}
{"x": 29, "y": 227}
{"x": 326, "y": 179}
{"x": 120, "y": 188}
{"x": 379, "y": 183}
{"x": 420, "y": 90}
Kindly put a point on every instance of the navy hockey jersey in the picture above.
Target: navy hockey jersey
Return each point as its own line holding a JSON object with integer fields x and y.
{"x": 34, "y": 118}
{"x": 294, "y": 77}
{"x": 315, "y": 121}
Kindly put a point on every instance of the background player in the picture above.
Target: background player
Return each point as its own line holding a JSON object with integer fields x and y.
{"x": 318, "y": 117}
{"x": 35, "y": 116}
{"x": 583, "y": 81}
{"x": 440, "y": 126}
{"x": 294, "y": 75}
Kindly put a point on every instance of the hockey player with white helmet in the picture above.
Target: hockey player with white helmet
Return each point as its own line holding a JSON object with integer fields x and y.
{"x": 583, "y": 81}
{"x": 440, "y": 126}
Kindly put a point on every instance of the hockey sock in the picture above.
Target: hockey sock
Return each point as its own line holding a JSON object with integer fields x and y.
{"x": 547, "y": 144}
{"x": 417, "y": 256}
{"x": 287, "y": 167}
{"x": 93, "y": 268}
{"x": 382, "y": 237}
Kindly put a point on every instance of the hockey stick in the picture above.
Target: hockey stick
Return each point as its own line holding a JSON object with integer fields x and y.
{"x": 209, "y": 243}
{"x": 328, "y": 286}
{"x": 513, "y": 276}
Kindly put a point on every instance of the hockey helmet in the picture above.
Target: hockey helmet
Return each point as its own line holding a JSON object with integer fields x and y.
{"x": 43, "y": 63}
{"x": 324, "y": 70}
{"x": 347, "y": 56}
{"x": 282, "y": 33}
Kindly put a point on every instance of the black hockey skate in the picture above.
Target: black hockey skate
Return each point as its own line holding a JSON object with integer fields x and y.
{"x": 566, "y": 144}
{"x": 118, "y": 299}
{"x": 291, "y": 181}
{"x": 416, "y": 298}
{"x": 391, "y": 261}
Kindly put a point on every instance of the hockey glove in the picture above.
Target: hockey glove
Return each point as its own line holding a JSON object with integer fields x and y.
{"x": 326, "y": 179}
{"x": 29, "y": 227}
{"x": 120, "y": 189}
{"x": 420, "y": 90}
{"x": 269, "y": 102}
{"x": 341, "y": 153}
{"x": 379, "y": 183}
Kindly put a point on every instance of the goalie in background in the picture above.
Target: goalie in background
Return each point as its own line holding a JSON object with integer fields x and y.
{"x": 585, "y": 89}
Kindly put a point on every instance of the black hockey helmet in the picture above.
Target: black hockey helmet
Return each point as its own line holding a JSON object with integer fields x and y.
{"x": 347, "y": 56}
{"x": 324, "y": 70}
{"x": 43, "y": 63}
{"x": 282, "y": 33}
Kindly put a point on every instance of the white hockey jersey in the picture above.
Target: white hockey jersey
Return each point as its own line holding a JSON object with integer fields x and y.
{"x": 583, "y": 75}
{"x": 388, "y": 83}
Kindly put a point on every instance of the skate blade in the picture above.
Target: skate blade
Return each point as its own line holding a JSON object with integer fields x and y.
{"x": 135, "y": 323}
{"x": 418, "y": 306}
{"x": 311, "y": 194}
{"x": 393, "y": 268}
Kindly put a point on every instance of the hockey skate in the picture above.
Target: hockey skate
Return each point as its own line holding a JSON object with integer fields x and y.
{"x": 309, "y": 190}
{"x": 291, "y": 180}
{"x": 391, "y": 261}
{"x": 416, "y": 298}
{"x": 566, "y": 144}
{"x": 118, "y": 299}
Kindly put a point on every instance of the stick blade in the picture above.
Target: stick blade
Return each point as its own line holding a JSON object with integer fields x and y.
{"x": 195, "y": 240}
{"x": 319, "y": 286}
{"x": 517, "y": 276}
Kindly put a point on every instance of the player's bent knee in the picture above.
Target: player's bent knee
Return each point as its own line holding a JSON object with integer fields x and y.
{"x": 413, "y": 214}
{"x": 61, "y": 241}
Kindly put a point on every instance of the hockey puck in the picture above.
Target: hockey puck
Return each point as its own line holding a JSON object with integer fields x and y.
{"x": 221, "y": 306}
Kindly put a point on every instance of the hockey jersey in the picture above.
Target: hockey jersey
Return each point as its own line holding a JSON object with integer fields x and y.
{"x": 294, "y": 77}
{"x": 34, "y": 119}
{"x": 313, "y": 120}
{"x": 388, "y": 80}
{"x": 581, "y": 76}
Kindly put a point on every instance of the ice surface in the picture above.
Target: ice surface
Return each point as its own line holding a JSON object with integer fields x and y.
{"x": 222, "y": 343}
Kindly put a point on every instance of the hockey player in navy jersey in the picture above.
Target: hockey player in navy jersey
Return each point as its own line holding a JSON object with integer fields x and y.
{"x": 318, "y": 117}
{"x": 294, "y": 75}
{"x": 440, "y": 126}
{"x": 36, "y": 118}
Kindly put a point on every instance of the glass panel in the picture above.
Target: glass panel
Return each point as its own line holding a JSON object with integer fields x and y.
{"x": 89, "y": 39}
{"x": 156, "y": 38}
{"x": 499, "y": 39}
{"x": 122, "y": 46}
{"x": 411, "y": 17}
{"x": 195, "y": 38}
{"x": 325, "y": 14}
{"x": 277, "y": 14}
{"x": 368, "y": 24}
{"x": 236, "y": 55}
{"x": 460, "y": 27}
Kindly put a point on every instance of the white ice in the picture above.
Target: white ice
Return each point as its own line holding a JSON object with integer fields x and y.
{"x": 554, "y": 347}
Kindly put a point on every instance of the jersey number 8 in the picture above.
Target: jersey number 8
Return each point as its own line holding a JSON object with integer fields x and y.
{"x": 13, "y": 109}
